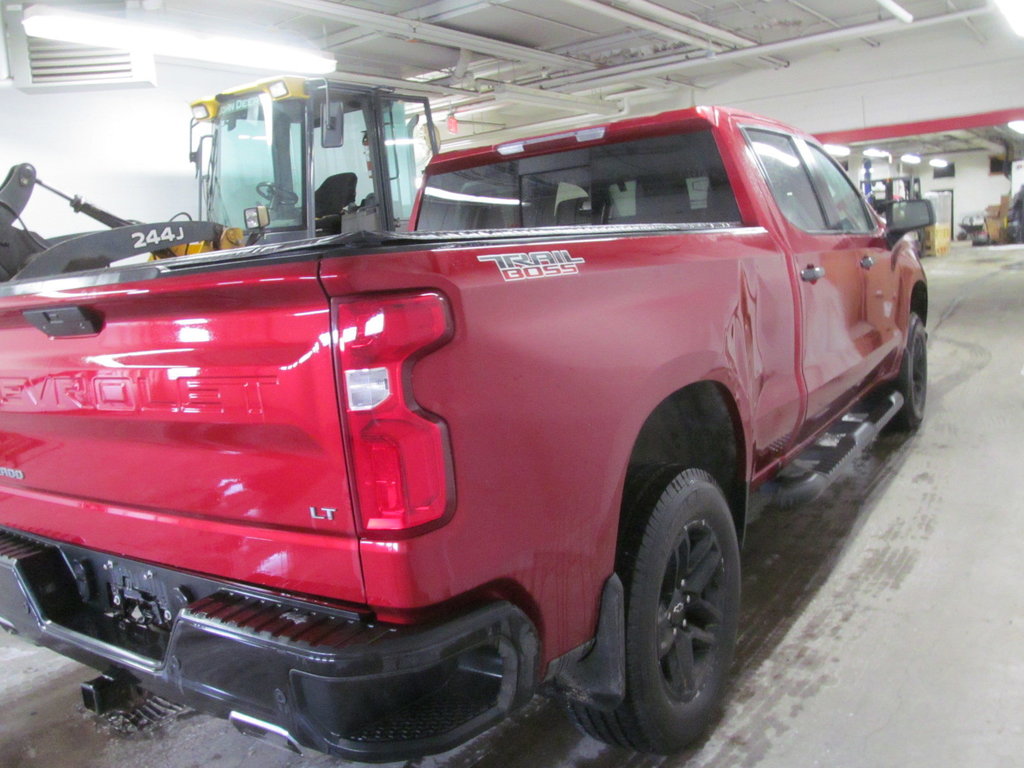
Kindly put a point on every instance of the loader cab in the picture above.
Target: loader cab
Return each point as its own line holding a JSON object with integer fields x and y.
{"x": 292, "y": 158}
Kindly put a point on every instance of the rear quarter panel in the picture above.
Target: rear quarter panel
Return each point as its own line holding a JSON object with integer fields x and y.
{"x": 545, "y": 386}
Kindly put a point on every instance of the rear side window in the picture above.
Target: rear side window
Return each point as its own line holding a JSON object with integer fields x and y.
{"x": 663, "y": 180}
{"x": 787, "y": 175}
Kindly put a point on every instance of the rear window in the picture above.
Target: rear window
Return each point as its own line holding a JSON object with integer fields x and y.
{"x": 674, "y": 179}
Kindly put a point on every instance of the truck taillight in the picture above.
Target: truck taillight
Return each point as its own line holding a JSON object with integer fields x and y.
{"x": 400, "y": 455}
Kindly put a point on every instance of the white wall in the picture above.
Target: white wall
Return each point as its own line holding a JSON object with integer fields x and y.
{"x": 936, "y": 72}
{"x": 974, "y": 189}
{"x": 125, "y": 150}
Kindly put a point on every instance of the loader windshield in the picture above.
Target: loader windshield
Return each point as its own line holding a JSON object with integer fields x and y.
{"x": 257, "y": 159}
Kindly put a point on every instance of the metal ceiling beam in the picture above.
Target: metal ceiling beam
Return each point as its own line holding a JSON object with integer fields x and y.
{"x": 642, "y": 22}
{"x": 431, "y": 33}
{"x": 442, "y": 10}
{"x": 831, "y": 22}
{"x": 673, "y": 64}
{"x": 677, "y": 19}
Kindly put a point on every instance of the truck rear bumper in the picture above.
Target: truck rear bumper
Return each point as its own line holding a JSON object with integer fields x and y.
{"x": 313, "y": 674}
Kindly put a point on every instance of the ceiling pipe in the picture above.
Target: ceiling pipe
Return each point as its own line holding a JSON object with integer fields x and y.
{"x": 897, "y": 10}
{"x": 676, "y": 63}
{"x": 516, "y": 132}
{"x": 431, "y": 33}
{"x": 554, "y": 100}
{"x": 407, "y": 86}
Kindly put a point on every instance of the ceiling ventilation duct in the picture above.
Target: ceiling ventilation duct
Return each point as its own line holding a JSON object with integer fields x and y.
{"x": 37, "y": 64}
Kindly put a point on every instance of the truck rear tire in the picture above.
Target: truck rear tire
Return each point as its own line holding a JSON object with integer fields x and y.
{"x": 912, "y": 382}
{"x": 680, "y": 566}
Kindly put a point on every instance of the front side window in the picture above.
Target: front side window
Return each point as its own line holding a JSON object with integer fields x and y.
{"x": 256, "y": 159}
{"x": 788, "y": 178}
{"x": 850, "y": 214}
{"x": 661, "y": 180}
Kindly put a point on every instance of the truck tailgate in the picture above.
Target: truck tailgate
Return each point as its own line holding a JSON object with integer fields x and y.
{"x": 198, "y": 428}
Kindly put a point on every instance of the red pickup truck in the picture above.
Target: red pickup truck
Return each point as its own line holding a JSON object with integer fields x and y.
{"x": 368, "y": 493}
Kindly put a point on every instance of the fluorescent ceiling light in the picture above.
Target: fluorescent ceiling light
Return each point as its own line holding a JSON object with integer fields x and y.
{"x": 1013, "y": 10}
{"x": 106, "y": 32}
{"x": 837, "y": 150}
{"x": 872, "y": 152}
{"x": 938, "y": 162}
{"x": 897, "y": 10}
{"x": 910, "y": 159}
{"x": 1016, "y": 125}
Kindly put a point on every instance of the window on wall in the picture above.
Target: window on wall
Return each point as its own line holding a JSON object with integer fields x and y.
{"x": 944, "y": 173}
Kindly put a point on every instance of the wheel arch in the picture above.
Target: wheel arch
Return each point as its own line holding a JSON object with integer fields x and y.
{"x": 919, "y": 301}
{"x": 698, "y": 426}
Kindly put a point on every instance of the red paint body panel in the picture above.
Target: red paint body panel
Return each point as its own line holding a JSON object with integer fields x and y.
{"x": 198, "y": 428}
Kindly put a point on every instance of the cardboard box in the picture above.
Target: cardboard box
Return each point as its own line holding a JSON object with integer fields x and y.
{"x": 936, "y": 240}
{"x": 994, "y": 229}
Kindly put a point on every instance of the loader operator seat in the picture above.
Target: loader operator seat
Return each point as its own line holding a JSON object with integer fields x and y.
{"x": 335, "y": 193}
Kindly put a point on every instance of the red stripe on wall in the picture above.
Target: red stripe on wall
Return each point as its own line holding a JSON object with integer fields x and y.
{"x": 878, "y": 132}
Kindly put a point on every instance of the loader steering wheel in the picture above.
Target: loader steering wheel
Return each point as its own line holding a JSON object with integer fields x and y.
{"x": 275, "y": 195}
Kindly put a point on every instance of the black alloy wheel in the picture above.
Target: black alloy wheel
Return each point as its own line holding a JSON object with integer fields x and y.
{"x": 690, "y": 611}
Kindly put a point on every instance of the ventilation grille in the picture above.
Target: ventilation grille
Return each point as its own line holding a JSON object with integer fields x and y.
{"x": 38, "y": 64}
{"x": 55, "y": 63}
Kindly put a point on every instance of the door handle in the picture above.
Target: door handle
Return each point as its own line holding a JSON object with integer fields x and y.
{"x": 867, "y": 262}
{"x": 812, "y": 274}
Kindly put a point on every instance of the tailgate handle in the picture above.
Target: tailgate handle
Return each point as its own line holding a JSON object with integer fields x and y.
{"x": 65, "y": 321}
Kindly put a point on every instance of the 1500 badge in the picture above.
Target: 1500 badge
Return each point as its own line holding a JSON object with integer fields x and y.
{"x": 525, "y": 266}
{"x": 14, "y": 474}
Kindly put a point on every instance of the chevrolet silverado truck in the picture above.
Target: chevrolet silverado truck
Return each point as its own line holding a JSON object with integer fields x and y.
{"x": 368, "y": 493}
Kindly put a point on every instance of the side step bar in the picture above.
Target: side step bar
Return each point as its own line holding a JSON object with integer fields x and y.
{"x": 824, "y": 460}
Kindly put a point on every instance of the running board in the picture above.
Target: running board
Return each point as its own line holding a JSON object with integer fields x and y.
{"x": 824, "y": 460}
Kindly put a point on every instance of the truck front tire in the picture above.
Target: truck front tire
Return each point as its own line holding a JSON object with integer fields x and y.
{"x": 912, "y": 382}
{"x": 680, "y": 566}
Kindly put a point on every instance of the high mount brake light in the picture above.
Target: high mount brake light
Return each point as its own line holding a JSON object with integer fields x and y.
{"x": 400, "y": 454}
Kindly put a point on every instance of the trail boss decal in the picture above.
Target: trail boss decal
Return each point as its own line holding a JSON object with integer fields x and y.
{"x": 524, "y": 266}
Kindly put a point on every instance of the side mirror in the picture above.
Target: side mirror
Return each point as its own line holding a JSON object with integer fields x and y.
{"x": 902, "y": 216}
{"x": 332, "y": 122}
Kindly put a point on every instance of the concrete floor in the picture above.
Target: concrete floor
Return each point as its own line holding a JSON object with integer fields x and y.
{"x": 883, "y": 624}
